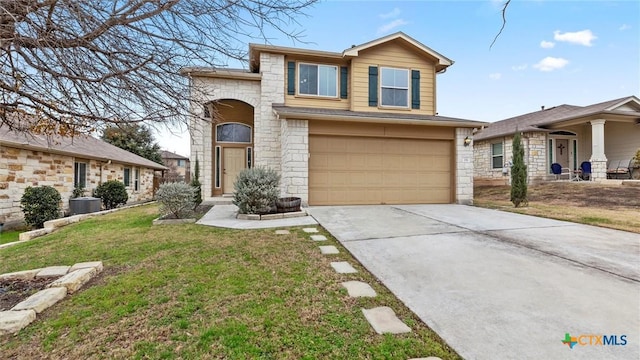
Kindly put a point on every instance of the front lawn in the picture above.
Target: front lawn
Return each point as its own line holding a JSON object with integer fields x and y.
{"x": 193, "y": 292}
{"x": 9, "y": 236}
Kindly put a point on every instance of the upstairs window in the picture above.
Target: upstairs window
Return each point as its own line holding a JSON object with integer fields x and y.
{"x": 318, "y": 80}
{"x": 181, "y": 163}
{"x": 394, "y": 87}
{"x": 497, "y": 156}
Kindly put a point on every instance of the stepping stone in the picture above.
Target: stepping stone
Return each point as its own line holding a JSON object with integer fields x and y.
{"x": 310, "y": 230}
{"x": 90, "y": 264}
{"x": 42, "y": 299}
{"x": 20, "y": 275}
{"x": 327, "y": 250}
{"x": 343, "y": 267}
{"x": 318, "y": 237}
{"x": 53, "y": 271}
{"x": 74, "y": 281}
{"x": 359, "y": 289}
{"x": 282, "y": 232}
{"x": 12, "y": 321}
{"x": 384, "y": 320}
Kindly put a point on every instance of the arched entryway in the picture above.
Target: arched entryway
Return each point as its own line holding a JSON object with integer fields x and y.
{"x": 232, "y": 133}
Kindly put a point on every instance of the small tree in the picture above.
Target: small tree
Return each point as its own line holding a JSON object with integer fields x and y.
{"x": 518, "y": 174}
{"x": 113, "y": 194}
{"x": 176, "y": 199}
{"x": 195, "y": 183}
{"x": 40, "y": 204}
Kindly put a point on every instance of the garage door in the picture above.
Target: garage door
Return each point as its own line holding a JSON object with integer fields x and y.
{"x": 346, "y": 170}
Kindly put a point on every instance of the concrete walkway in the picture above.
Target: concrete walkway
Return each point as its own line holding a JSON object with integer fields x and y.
{"x": 225, "y": 216}
{"x": 500, "y": 285}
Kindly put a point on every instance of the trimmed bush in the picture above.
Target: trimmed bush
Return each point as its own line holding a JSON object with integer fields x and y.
{"x": 176, "y": 198}
{"x": 40, "y": 204}
{"x": 195, "y": 183}
{"x": 518, "y": 174}
{"x": 78, "y": 191}
{"x": 257, "y": 190}
{"x": 113, "y": 194}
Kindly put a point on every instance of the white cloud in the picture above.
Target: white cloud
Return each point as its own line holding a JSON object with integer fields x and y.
{"x": 624, "y": 27}
{"x": 392, "y": 14}
{"x": 519, "y": 67}
{"x": 495, "y": 76}
{"x": 392, "y": 25}
{"x": 547, "y": 44}
{"x": 584, "y": 37}
{"x": 550, "y": 63}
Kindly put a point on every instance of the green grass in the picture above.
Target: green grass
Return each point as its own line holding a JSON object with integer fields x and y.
{"x": 9, "y": 236}
{"x": 191, "y": 292}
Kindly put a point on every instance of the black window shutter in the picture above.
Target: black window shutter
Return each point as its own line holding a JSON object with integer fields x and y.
{"x": 291, "y": 78}
{"x": 344, "y": 74}
{"x": 415, "y": 89}
{"x": 373, "y": 86}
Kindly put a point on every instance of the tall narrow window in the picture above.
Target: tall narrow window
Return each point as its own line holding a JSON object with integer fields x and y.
{"x": 136, "y": 179}
{"x": 394, "y": 87}
{"x": 497, "y": 156}
{"x": 319, "y": 80}
{"x": 126, "y": 179}
{"x": 217, "y": 174}
{"x": 80, "y": 174}
{"x": 249, "y": 157}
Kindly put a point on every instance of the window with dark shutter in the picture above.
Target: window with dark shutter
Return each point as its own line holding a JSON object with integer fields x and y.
{"x": 344, "y": 74}
{"x": 415, "y": 89}
{"x": 291, "y": 78}
{"x": 373, "y": 86}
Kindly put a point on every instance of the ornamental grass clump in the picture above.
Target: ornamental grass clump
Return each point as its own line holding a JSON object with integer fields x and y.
{"x": 176, "y": 198}
{"x": 257, "y": 190}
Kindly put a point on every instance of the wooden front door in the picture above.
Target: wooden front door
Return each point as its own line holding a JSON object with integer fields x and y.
{"x": 233, "y": 162}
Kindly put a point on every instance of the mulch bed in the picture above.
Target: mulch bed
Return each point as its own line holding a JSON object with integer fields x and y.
{"x": 13, "y": 292}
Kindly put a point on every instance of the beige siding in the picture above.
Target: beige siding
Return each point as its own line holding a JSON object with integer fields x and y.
{"x": 310, "y": 100}
{"x": 391, "y": 54}
{"x": 621, "y": 140}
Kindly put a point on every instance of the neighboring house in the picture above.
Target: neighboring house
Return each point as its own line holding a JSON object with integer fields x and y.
{"x": 352, "y": 127}
{"x": 64, "y": 163}
{"x": 179, "y": 167}
{"x": 607, "y": 134}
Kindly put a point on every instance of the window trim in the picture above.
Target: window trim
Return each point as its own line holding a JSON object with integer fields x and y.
{"x": 234, "y": 142}
{"x": 76, "y": 168}
{"x": 493, "y": 156}
{"x": 318, "y": 65}
{"x": 408, "y": 88}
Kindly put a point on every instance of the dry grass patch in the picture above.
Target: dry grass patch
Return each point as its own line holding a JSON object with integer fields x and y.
{"x": 612, "y": 206}
{"x": 190, "y": 291}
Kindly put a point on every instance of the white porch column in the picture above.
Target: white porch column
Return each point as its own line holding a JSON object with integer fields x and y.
{"x": 598, "y": 158}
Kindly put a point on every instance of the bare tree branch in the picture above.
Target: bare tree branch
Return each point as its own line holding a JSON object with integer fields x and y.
{"x": 504, "y": 22}
{"x": 78, "y": 65}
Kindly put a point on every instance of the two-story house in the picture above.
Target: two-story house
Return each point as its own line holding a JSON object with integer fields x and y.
{"x": 179, "y": 167}
{"x": 352, "y": 127}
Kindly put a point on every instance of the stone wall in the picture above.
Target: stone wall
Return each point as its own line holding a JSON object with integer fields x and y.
{"x": 267, "y": 126}
{"x": 295, "y": 159}
{"x": 535, "y": 157}
{"x": 20, "y": 168}
{"x": 464, "y": 168}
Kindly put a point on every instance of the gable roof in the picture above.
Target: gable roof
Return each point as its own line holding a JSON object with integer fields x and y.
{"x": 442, "y": 62}
{"x": 83, "y": 146}
{"x": 169, "y": 155}
{"x": 536, "y": 121}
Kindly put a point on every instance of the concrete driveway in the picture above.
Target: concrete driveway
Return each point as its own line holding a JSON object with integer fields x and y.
{"x": 497, "y": 285}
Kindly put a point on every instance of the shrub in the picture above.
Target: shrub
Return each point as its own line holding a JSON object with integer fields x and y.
{"x": 113, "y": 194}
{"x": 257, "y": 190}
{"x": 176, "y": 198}
{"x": 195, "y": 183}
{"x": 78, "y": 191}
{"x": 40, "y": 204}
{"x": 518, "y": 174}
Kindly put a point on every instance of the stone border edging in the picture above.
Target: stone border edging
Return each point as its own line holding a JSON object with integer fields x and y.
{"x": 286, "y": 215}
{"x": 52, "y": 225}
{"x": 71, "y": 280}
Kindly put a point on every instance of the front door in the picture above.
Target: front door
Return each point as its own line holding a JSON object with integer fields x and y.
{"x": 233, "y": 162}
{"x": 562, "y": 152}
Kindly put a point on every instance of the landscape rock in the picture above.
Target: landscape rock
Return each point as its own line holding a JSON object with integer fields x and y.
{"x": 20, "y": 275}
{"x": 89, "y": 264}
{"x": 53, "y": 271}
{"x": 13, "y": 321}
{"x": 74, "y": 280}
{"x": 42, "y": 299}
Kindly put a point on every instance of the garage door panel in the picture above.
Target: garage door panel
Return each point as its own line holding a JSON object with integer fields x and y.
{"x": 361, "y": 170}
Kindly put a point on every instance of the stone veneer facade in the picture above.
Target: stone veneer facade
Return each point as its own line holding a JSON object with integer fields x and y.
{"x": 20, "y": 168}
{"x": 535, "y": 158}
{"x": 464, "y": 167}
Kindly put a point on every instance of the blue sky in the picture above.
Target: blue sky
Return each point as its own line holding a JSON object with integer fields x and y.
{"x": 550, "y": 52}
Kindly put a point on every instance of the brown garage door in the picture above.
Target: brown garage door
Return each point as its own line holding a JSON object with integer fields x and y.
{"x": 347, "y": 170}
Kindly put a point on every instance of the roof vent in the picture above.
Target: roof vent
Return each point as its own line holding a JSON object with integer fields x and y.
{"x": 542, "y": 107}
